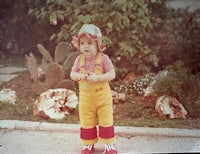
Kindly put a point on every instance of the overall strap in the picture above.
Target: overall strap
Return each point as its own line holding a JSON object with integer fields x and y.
{"x": 98, "y": 68}
{"x": 82, "y": 64}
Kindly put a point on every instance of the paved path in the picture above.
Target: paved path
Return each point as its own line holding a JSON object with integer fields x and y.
{"x": 24, "y": 137}
{"x": 8, "y": 73}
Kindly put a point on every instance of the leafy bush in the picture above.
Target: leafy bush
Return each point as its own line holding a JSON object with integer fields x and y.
{"x": 175, "y": 81}
{"x": 140, "y": 37}
{"x": 123, "y": 24}
{"x": 174, "y": 36}
{"x": 182, "y": 85}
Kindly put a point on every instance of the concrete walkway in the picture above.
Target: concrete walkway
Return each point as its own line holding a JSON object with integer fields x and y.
{"x": 9, "y": 73}
{"x": 54, "y": 138}
{"x": 120, "y": 130}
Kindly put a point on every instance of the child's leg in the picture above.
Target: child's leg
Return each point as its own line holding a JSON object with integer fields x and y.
{"x": 106, "y": 128}
{"x": 88, "y": 131}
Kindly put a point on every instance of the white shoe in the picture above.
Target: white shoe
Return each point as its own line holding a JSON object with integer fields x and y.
{"x": 110, "y": 149}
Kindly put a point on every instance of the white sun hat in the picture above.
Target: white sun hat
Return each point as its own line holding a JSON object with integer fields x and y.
{"x": 92, "y": 32}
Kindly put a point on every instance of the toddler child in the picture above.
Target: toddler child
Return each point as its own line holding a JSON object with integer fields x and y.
{"x": 93, "y": 70}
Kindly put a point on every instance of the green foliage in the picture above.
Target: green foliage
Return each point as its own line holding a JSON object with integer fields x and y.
{"x": 182, "y": 85}
{"x": 174, "y": 36}
{"x": 14, "y": 20}
{"x": 175, "y": 81}
{"x": 123, "y": 24}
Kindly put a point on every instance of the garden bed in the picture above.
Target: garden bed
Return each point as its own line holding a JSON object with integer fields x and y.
{"x": 135, "y": 111}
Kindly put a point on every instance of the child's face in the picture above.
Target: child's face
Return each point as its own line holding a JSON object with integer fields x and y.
{"x": 88, "y": 46}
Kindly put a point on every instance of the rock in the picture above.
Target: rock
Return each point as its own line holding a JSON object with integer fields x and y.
{"x": 8, "y": 95}
{"x": 167, "y": 106}
{"x": 55, "y": 103}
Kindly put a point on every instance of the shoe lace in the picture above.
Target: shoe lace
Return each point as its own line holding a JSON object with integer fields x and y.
{"x": 89, "y": 147}
{"x": 109, "y": 147}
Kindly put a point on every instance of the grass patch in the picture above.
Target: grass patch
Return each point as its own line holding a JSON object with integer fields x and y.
{"x": 22, "y": 111}
{"x": 17, "y": 111}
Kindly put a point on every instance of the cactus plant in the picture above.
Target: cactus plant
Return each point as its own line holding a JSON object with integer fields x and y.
{"x": 45, "y": 53}
{"x": 31, "y": 63}
{"x": 63, "y": 49}
{"x": 56, "y": 68}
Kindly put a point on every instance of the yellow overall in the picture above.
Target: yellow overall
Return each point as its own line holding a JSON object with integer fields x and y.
{"x": 95, "y": 101}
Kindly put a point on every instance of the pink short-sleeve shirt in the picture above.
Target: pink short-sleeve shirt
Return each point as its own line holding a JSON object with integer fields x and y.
{"x": 106, "y": 64}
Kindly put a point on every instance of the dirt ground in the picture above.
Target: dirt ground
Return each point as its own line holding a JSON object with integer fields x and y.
{"x": 135, "y": 111}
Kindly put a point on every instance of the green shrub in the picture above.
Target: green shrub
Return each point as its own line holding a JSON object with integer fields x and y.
{"x": 174, "y": 36}
{"x": 182, "y": 85}
{"x": 123, "y": 24}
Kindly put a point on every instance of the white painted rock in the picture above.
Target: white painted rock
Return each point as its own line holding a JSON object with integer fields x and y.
{"x": 8, "y": 95}
{"x": 167, "y": 106}
{"x": 55, "y": 103}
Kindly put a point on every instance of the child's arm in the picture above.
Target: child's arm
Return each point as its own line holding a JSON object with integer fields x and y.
{"x": 77, "y": 76}
{"x": 108, "y": 76}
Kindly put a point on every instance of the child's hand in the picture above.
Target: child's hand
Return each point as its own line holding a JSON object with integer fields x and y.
{"x": 81, "y": 76}
{"x": 92, "y": 77}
